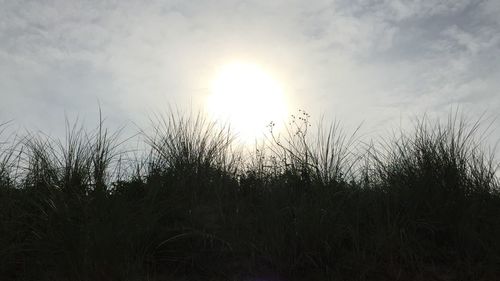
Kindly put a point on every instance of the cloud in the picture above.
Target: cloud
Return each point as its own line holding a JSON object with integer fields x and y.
{"x": 358, "y": 60}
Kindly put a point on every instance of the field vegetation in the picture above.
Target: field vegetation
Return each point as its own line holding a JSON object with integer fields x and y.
{"x": 309, "y": 203}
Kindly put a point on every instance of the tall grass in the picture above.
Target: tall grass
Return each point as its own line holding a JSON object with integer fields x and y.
{"x": 190, "y": 144}
{"x": 327, "y": 157}
{"x": 7, "y": 158}
{"x": 308, "y": 204}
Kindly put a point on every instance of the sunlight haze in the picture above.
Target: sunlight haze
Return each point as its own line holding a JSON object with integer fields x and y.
{"x": 247, "y": 97}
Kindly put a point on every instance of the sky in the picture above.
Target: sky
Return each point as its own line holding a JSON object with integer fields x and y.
{"x": 377, "y": 62}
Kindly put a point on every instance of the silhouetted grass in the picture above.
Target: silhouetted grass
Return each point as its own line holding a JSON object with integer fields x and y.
{"x": 422, "y": 205}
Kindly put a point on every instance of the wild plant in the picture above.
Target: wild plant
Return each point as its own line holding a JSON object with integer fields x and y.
{"x": 325, "y": 157}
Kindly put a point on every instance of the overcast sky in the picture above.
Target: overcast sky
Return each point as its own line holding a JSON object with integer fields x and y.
{"x": 377, "y": 61}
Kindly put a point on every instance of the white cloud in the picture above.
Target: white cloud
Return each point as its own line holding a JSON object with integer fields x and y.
{"x": 358, "y": 59}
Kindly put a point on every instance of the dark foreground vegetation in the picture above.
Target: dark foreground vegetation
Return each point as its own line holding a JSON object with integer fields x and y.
{"x": 422, "y": 205}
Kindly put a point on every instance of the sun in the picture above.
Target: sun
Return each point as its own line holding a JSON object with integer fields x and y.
{"x": 248, "y": 97}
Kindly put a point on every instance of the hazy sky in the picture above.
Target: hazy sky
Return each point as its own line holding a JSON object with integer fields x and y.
{"x": 377, "y": 61}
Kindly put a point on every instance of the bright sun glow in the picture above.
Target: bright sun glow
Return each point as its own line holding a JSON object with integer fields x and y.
{"x": 248, "y": 97}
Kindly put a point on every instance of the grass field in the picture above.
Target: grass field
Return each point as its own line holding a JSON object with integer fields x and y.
{"x": 308, "y": 204}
